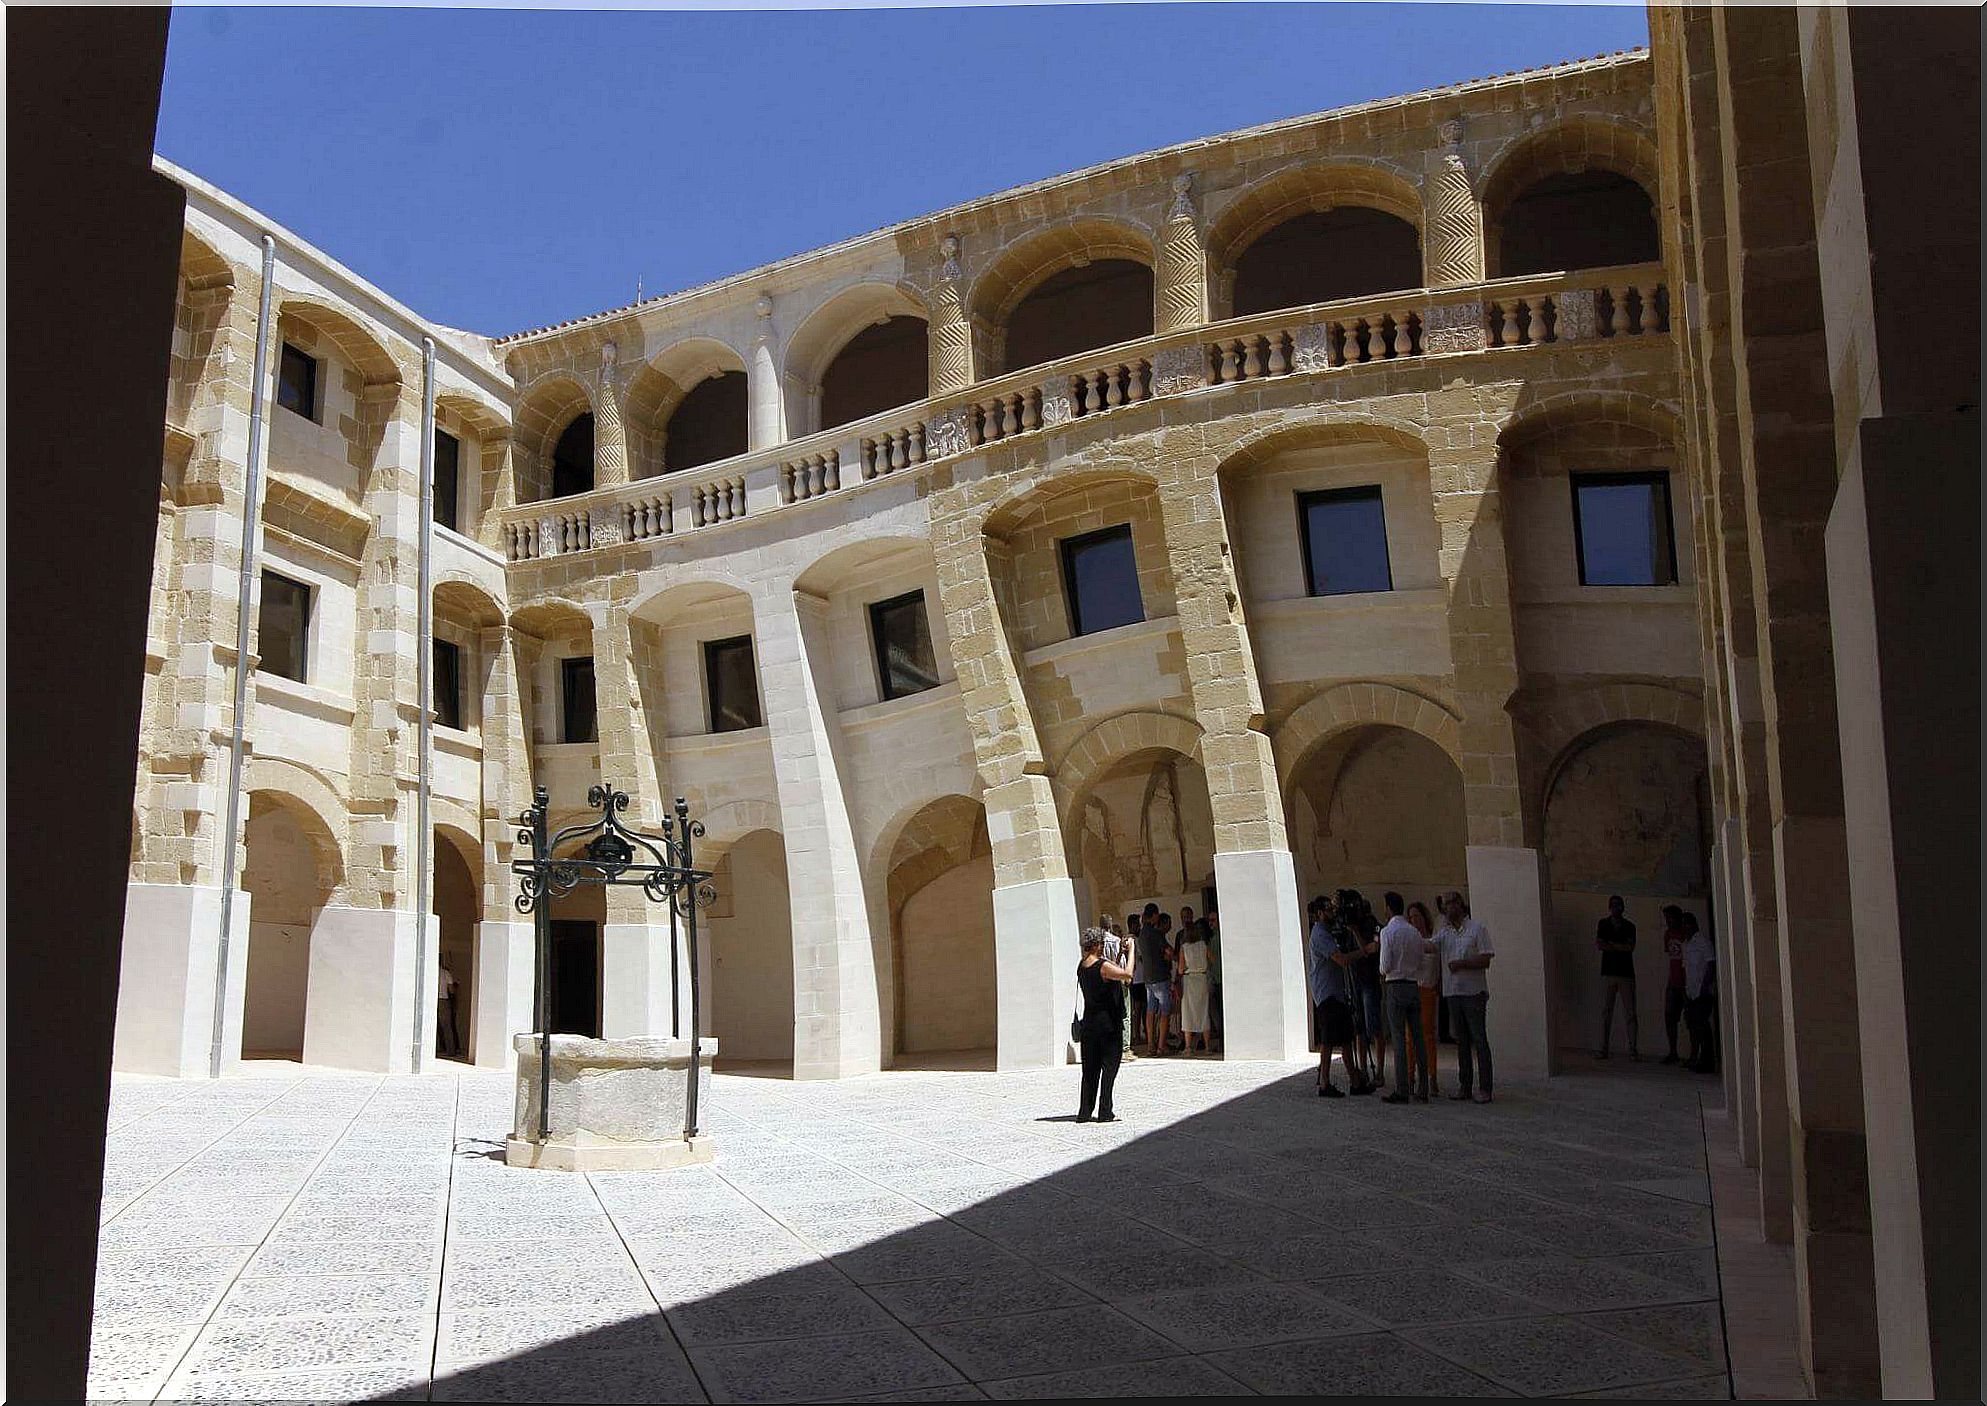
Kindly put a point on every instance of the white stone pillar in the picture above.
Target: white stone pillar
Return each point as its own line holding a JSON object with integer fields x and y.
{"x": 837, "y": 1025}
{"x": 1265, "y": 999}
{"x": 167, "y": 980}
{"x": 1035, "y": 954}
{"x": 636, "y": 985}
{"x": 765, "y": 412}
{"x": 1507, "y": 893}
{"x": 362, "y": 984}
{"x": 505, "y": 982}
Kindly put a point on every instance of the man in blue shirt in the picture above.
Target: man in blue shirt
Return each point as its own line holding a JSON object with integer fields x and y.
{"x": 1331, "y": 1003}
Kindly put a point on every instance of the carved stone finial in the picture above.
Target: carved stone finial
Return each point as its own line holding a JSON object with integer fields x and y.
{"x": 1183, "y": 197}
{"x": 950, "y": 249}
{"x": 764, "y": 307}
{"x": 1451, "y": 132}
{"x": 609, "y": 353}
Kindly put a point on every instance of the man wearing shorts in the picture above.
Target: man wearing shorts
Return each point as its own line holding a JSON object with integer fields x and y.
{"x": 1155, "y": 956}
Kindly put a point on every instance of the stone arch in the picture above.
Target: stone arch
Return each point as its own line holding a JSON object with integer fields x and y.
{"x": 1349, "y": 705}
{"x": 726, "y": 824}
{"x": 1025, "y": 267}
{"x": 1570, "y": 147}
{"x": 544, "y": 409}
{"x": 661, "y": 386}
{"x": 1368, "y": 215}
{"x": 834, "y": 568}
{"x": 362, "y": 346}
{"x": 551, "y": 617}
{"x": 1557, "y": 726}
{"x": 1320, "y": 185}
{"x": 935, "y": 868}
{"x": 817, "y": 345}
{"x": 1566, "y": 409}
{"x": 749, "y": 961}
{"x": 1115, "y": 738}
{"x": 314, "y": 801}
{"x": 293, "y": 868}
{"x": 470, "y": 601}
{"x": 1014, "y": 504}
{"x": 1326, "y": 427}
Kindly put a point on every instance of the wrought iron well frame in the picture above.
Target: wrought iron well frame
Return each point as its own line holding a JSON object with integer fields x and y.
{"x": 663, "y": 866}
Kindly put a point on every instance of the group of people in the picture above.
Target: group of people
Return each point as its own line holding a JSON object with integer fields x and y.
{"x": 1690, "y": 989}
{"x": 1148, "y": 983}
{"x": 1378, "y": 986}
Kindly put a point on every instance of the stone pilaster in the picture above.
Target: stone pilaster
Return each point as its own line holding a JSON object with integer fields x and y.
{"x": 504, "y": 941}
{"x": 1452, "y": 217}
{"x": 637, "y": 986}
{"x": 951, "y": 330}
{"x": 1181, "y": 295}
{"x": 610, "y": 436}
{"x": 1265, "y": 1005}
{"x": 837, "y": 1025}
{"x": 1035, "y": 918}
{"x": 499, "y": 489}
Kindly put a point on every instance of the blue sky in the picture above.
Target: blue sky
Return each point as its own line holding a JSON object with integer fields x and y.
{"x": 501, "y": 169}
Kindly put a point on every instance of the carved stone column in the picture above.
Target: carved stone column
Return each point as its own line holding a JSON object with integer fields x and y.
{"x": 1182, "y": 292}
{"x": 610, "y": 438}
{"x": 765, "y": 417}
{"x": 1452, "y": 219}
{"x": 951, "y": 329}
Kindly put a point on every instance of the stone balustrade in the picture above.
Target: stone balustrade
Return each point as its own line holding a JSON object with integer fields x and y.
{"x": 1501, "y": 315}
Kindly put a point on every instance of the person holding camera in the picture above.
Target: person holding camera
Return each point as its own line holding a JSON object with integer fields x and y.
{"x": 1100, "y": 1029}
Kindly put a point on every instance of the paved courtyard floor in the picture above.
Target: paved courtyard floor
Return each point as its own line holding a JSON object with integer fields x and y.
{"x": 297, "y": 1234}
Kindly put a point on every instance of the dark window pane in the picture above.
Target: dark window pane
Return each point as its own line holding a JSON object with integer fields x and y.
{"x": 448, "y": 477}
{"x": 447, "y": 684}
{"x": 1100, "y": 573}
{"x": 734, "y": 690}
{"x": 903, "y": 645}
{"x": 572, "y": 459}
{"x": 580, "y": 722}
{"x": 296, "y": 382}
{"x": 1345, "y": 541}
{"x": 1622, "y": 528}
{"x": 283, "y": 637}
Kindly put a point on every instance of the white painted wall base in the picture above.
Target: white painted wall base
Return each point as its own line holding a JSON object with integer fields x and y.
{"x": 505, "y": 982}
{"x": 1035, "y": 952}
{"x": 635, "y": 981}
{"x": 361, "y": 1012}
{"x": 1265, "y": 1006}
{"x": 166, "y": 985}
{"x": 1507, "y": 894}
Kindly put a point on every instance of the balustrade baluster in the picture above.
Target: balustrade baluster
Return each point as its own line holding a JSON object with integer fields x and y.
{"x": 1030, "y": 409}
{"x": 1507, "y": 333}
{"x": 1618, "y": 312}
{"x": 917, "y": 443}
{"x": 1138, "y": 384}
{"x": 1278, "y": 361}
{"x": 831, "y": 474}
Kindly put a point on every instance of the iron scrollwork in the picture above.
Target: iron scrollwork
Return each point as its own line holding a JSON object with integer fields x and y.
{"x": 605, "y": 851}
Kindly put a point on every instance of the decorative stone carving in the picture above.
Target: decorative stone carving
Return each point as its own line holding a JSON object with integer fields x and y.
{"x": 950, "y": 331}
{"x": 1057, "y": 407}
{"x": 946, "y": 435}
{"x": 548, "y": 537}
{"x": 1182, "y": 263}
{"x": 1452, "y": 327}
{"x": 1579, "y": 317}
{"x": 1311, "y": 348}
{"x": 607, "y": 533}
{"x": 1453, "y": 219}
{"x": 1176, "y": 370}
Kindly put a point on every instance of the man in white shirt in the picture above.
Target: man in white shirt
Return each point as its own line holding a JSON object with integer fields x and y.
{"x": 1401, "y": 952}
{"x": 1466, "y": 954}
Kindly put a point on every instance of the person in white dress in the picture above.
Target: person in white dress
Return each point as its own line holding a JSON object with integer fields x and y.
{"x": 1195, "y": 961}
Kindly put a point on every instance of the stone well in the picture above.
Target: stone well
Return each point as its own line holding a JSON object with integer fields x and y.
{"x": 617, "y": 1105}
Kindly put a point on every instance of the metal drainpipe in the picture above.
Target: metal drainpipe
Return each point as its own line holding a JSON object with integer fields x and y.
{"x": 251, "y": 513}
{"x": 423, "y": 842}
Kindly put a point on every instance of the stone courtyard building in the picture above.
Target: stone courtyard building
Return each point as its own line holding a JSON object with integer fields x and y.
{"x": 1357, "y": 500}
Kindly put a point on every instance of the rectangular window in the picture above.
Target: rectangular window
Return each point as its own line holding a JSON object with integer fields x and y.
{"x": 732, "y": 684}
{"x": 903, "y": 645}
{"x": 1100, "y": 577}
{"x": 448, "y": 476}
{"x": 447, "y": 684}
{"x": 283, "y": 637}
{"x": 1621, "y": 529}
{"x": 580, "y": 721}
{"x": 296, "y": 382}
{"x": 1345, "y": 541}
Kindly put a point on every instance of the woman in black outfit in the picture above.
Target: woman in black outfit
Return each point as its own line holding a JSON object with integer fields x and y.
{"x": 1102, "y": 1026}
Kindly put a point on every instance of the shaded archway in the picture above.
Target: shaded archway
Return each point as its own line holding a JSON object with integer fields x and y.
{"x": 457, "y": 901}
{"x": 1325, "y": 255}
{"x": 292, "y": 869}
{"x": 1138, "y": 826}
{"x": 864, "y": 351}
{"x": 939, "y": 880}
{"x": 546, "y": 412}
{"x": 686, "y": 406}
{"x": 1577, "y": 194}
{"x": 749, "y": 956}
{"x": 1626, "y": 811}
{"x": 1083, "y": 284}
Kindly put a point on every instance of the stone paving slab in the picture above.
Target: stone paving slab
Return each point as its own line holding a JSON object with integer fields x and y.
{"x": 292, "y": 1234}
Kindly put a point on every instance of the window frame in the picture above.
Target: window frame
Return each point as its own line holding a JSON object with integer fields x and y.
{"x": 712, "y": 650}
{"x": 451, "y": 715}
{"x": 1659, "y": 478}
{"x": 1346, "y": 493}
{"x": 309, "y": 593}
{"x": 880, "y": 652}
{"x": 314, "y": 387}
{"x": 569, "y": 668}
{"x": 453, "y": 520}
{"x": 1067, "y": 549}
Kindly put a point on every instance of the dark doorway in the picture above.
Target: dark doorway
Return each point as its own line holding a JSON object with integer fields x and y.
{"x": 575, "y": 996}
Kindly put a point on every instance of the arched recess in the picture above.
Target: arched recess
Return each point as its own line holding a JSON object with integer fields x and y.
{"x": 206, "y": 286}
{"x": 1317, "y": 233}
{"x": 749, "y": 958}
{"x": 1580, "y": 193}
{"x": 864, "y": 351}
{"x": 359, "y": 384}
{"x": 938, "y": 881}
{"x": 482, "y": 460}
{"x": 1626, "y": 810}
{"x": 1347, "y": 706}
{"x": 544, "y": 633}
{"x": 1137, "y": 822}
{"x": 1377, "y": 806}
{"x": 1077, "y": 285}
{"x": 457, "y": 902}
{"x": 686, "y": 406}
{"x": 547, "y": 411}
{"x": 293, "y": 867}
